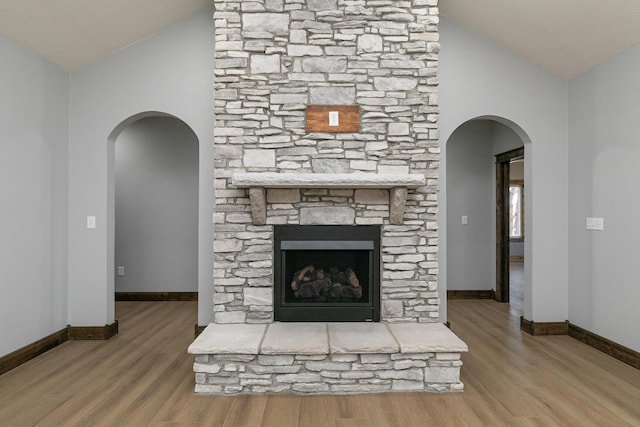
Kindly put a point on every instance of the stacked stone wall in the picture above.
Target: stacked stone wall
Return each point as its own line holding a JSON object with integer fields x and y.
{"x": 275, "y": 57}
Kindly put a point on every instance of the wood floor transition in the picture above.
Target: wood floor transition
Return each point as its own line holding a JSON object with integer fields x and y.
{"x": 143, "y": 376}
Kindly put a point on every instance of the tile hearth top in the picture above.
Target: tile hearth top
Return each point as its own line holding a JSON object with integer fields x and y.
{"x": 296, "y": 338}
{"x": 327, "y": 338}
{"x": 428, "y": 338}
{"x": 348, "y": 338}
{"x": 229, "y": 339}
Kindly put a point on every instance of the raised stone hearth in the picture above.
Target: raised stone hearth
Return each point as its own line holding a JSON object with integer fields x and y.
{"x": 327, "y": 358}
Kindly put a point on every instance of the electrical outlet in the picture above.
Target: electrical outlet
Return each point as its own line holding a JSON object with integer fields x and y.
{"x": 465, "y": 220}
{"x": 91, "y": 222}
{"x": 120, "y": 270}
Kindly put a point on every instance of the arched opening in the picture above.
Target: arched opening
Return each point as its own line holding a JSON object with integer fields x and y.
{"x": 156, "y": 208}
{"x": 476, "y": 192}
{"x": 153, "y": 196}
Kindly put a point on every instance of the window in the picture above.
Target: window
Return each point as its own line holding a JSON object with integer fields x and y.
{"x": 516, "y": 210}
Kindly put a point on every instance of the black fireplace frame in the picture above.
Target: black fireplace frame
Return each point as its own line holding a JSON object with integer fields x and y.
{"x": 326, "y": 237}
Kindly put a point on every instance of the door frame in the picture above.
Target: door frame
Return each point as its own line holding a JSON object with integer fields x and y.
{"x": 503, "y": 168}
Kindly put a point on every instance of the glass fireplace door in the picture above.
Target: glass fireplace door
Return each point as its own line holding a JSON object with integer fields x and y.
{"x": 327, "y": 273}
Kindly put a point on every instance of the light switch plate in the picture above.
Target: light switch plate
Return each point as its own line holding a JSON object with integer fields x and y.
{"x": 595, "y": 224}
{"x": 91, "y": 222}
{"x": 465, "y": 220}
{"x": 334, "y": 118}
{"x": 120, "y": 270}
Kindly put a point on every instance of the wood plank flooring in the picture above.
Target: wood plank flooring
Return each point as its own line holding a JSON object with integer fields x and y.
{"x": 143, "y": 377}
{"x": 516, "y": 287}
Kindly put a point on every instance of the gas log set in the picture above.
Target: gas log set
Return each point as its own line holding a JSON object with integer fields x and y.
{"x": 331, "y": 285}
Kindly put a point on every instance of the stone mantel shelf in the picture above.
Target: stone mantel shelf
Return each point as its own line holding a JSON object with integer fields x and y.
{"x": 327, "y": 180}
{"x": 258, "y": 182}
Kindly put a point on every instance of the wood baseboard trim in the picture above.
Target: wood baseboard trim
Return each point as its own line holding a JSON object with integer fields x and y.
{"x": 78, "y": 333}
{"x": 156, "y": 296}
{"x": 31, "y": 351}
{"x": 613, "y": 349}
{"x": 35, "y": 349}
{"x": 198, "y": 330}
{"x": 544, "y": 328}
{"x": 477, "y": 294}
{"x": 526, "y": 325}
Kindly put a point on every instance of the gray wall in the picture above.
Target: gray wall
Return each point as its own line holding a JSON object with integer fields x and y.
{"x": 582, "y": 160}
{"x": 172, "y": 73}
{"x": 470, "y": 154}
{"x": 479, "y": 78}
{"x": 471, "y": 192}
{"x": 34, "y": 106}
{"x": 156, "y": 206}
{"x": 56, "y": 168}
{"x": 604, "y": 174}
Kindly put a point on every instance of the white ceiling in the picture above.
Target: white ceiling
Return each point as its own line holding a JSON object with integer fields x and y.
{"x": 74, "y": 33}
{"x": 565, "y": 36}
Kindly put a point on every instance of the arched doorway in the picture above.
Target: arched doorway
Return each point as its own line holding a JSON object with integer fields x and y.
{"x": 156, "y": 210}
{"x": 475, "y": 263}
{"x": 123, "y": 128}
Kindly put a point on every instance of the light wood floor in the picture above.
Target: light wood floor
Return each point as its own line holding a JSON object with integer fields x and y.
{"x": 143, "y": 377}
{"x": 516, "y": 287}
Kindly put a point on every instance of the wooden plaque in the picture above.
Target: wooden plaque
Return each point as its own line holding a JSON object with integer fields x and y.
{"x": 333, "y": 118}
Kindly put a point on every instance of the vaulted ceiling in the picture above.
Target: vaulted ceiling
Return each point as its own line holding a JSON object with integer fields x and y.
{"x": 75, "y": 33}
{"x": 566, "y": 37}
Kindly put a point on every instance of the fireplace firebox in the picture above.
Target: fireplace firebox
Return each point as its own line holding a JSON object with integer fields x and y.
{"x": 326, "y": 273}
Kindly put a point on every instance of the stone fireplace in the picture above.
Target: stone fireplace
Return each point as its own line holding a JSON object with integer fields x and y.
{"x": 274, "y": 58}
{"x": 278, "y": 178}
